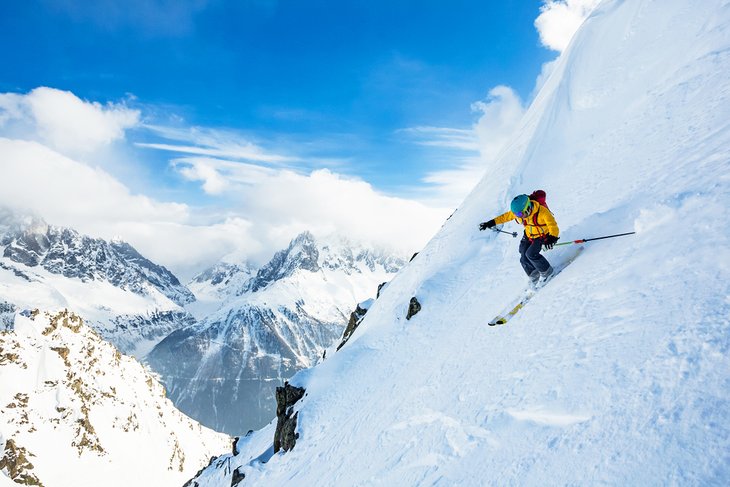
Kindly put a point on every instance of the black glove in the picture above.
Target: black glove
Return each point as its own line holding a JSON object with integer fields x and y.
{"x": 549, "y": 240}
{"x": 485, "y": 225}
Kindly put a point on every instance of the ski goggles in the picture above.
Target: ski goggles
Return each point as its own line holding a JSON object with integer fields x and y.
{"x": 526, "y": 211}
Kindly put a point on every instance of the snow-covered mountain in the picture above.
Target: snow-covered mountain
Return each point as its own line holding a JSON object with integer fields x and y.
{"x": 75, "y": 411}
{"x": 277, "y": 322}
{"x": 217, "y": 284}
{"x": 616, "y": 372}
{"x": 66, "y": 252}
{"x": 131, "y": 301}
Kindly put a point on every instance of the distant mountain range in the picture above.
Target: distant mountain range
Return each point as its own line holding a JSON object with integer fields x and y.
{"x": 268, "y": 326}
{"x": 222, "y": 343}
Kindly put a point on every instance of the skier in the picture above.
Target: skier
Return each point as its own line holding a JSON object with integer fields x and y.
{"x": 541, "y": 230}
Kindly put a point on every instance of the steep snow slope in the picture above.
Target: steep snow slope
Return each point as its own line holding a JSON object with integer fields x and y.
{"x": 275, "y": 324}
{"x": 617, "y": 372}
{"x": 77, "y": 412}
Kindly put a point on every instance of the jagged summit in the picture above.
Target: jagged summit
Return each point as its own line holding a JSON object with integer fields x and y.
{"x": 131, "y": 301}
{"x": 306, "y": 253}
{"x": 302, "y": 254}
{"x": 66, "y": 252}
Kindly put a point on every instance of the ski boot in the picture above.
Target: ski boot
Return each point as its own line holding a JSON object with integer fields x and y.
{"x": 546, "y": 276}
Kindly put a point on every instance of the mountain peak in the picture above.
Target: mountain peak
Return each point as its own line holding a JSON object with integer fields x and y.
{"x": 32, "y": 242}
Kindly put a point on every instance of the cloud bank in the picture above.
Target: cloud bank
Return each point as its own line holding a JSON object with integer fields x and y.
{"x": 63, "y": 121}
{"x": 259, "y": 198}
{"x": 560, "y": 19}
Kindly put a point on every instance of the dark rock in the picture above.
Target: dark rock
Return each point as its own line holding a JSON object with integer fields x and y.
{"x": 7, "y": 315}
{"x": 355, "y": 320}
{"x": 286, "y": 436}
{"x": 413, "y": 308}
{"x": 413, "y": 257}
{"x": 237, "y": 477}
{"x": 381, "y": 286}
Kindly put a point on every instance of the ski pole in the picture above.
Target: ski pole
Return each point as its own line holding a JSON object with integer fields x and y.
{"x": 514, "y": 234}
{"x": 595, "y": 238}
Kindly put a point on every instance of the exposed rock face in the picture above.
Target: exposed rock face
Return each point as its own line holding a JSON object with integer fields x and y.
{"x": 413, "y": 308}
{"x": 7, "y": 315}
{"x": 15, "y": 462}
{"x": 302, "y": 254}
{"x": 381, "y": 288}
{"x": 355, "y": 320}
{"x": 234, "y": 365}
{"x": 237, "y": 478}
{"x": 66, "y": 252}
{"x": 286, "y": 436}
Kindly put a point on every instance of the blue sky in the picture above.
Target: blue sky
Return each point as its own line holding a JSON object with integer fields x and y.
{"x": 209, "y": 110}
{"x": 343, "y": 76}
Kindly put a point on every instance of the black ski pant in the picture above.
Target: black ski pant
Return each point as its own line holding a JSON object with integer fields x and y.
{"x": 530, "y": 257}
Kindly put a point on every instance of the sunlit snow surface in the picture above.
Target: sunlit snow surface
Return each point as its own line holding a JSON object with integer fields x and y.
{"x": 617, "y": 372}
{"x": 86, "y": 415}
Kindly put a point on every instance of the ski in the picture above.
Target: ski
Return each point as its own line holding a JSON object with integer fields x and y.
{"x": 516, "y": 305}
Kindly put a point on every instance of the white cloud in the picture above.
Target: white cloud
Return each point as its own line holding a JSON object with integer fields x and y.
{"x": 445, "y": 137}
{"x": 325, "y": 203}
{"x": 282, "y": 203}
{"x": 217, "y": 175}
{"x": 560, "y": 19}
{"x": 214, "y": 143}
{"x": 65, "y": 192}
{"x": 63, "y": 121}
{"x": 259, "y": 200}
{"x": 501, "y": 112}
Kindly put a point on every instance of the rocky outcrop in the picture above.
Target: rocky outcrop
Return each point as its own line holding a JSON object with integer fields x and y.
{"x": 381, "y": 288}
{"x": 286, "y": 436}
{"x": 302, "y": 253}
{"x": 413, "y": 308}
{"x": 355, "y": 320}
{"x": 15, "y": 462}
{"x": 237, "y": 477}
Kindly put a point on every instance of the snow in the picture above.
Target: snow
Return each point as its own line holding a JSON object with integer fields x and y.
{"x": 99, "y": 302}
{"x": 86, "y": 414}
{"x": 616, "y": 372}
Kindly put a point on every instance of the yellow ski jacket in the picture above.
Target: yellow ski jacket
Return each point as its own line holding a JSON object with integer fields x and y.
{"x": 540, "y": 223}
